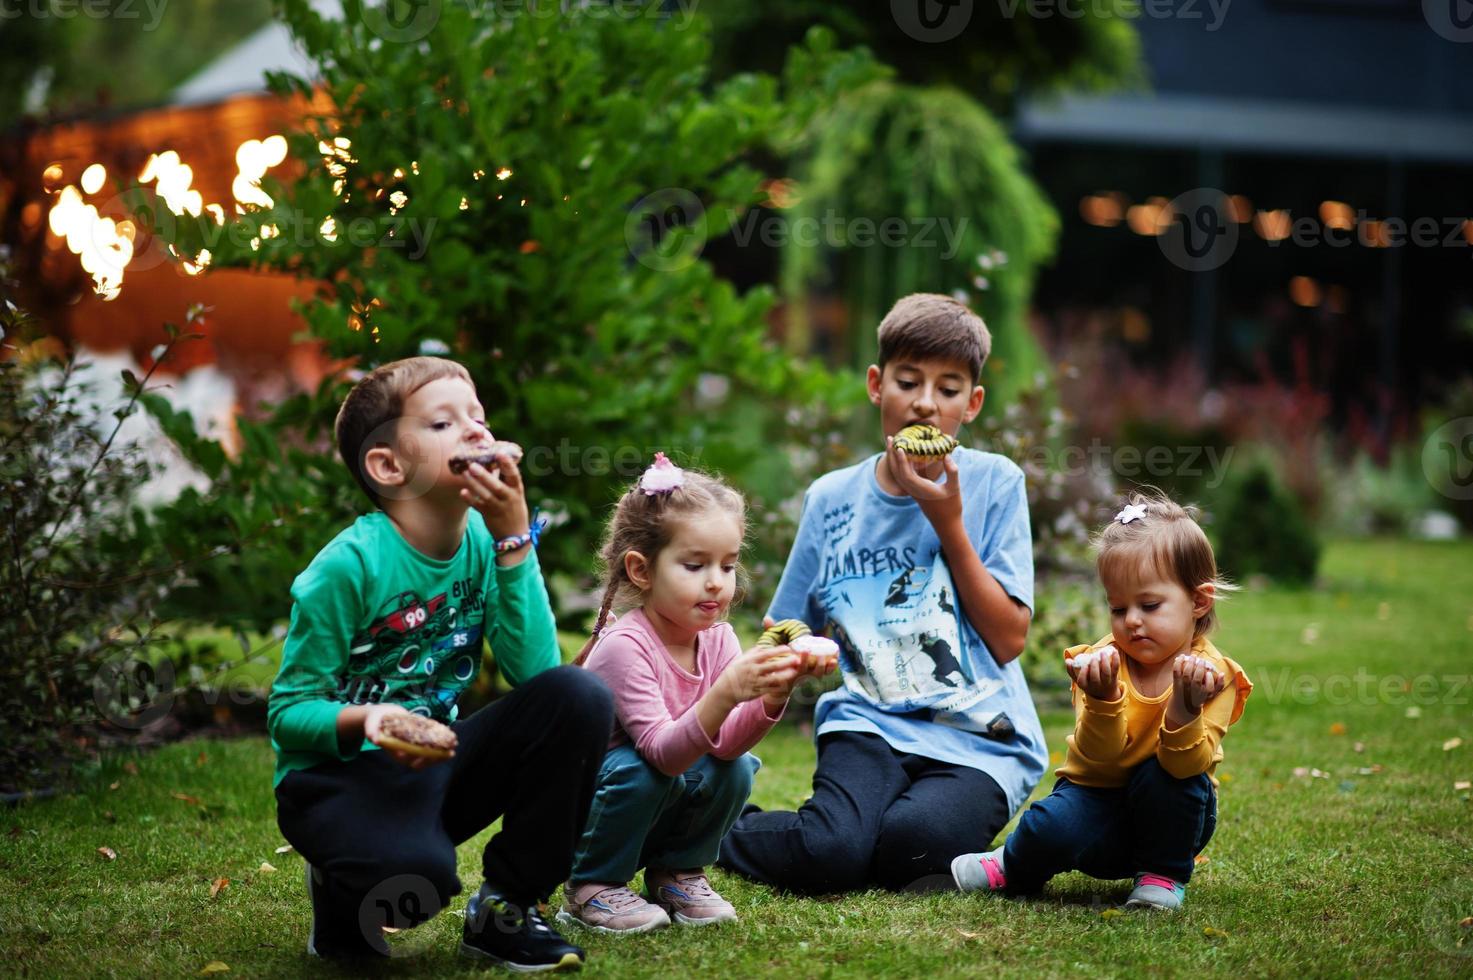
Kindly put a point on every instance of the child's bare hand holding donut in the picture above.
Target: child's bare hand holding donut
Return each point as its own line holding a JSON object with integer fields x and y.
{"x": 360, "y": 721}
{"x": 1097, "y": 674}
{"x": 499, "y": 495}
{"x": 761, "y": 672}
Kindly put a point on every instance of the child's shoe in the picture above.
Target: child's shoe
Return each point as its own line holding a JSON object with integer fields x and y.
{"x": 979, "y": 872}
{"x": 514, "y": 936}
{"x": 1156, "y": 892}
{"x": 615, "y": 909}
{"x": 333, "y": 937}
{"x": 688, "y": 897}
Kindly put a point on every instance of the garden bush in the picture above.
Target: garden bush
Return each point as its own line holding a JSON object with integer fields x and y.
{"x": 1263, "y": 530}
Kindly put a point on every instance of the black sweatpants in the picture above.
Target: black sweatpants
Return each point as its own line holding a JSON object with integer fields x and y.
{"x": 876, "y": 817}
{"x": 383, "y": 836}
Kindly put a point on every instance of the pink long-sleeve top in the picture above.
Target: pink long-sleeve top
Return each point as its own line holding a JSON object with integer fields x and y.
{"x": 655, "y": 698}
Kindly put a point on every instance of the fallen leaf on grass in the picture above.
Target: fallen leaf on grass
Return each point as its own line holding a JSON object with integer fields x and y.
{"x": 1414, "y": 712}
{"x": 267, "y": 867}
{"x": 284, "y": 849}
{"x": 1369, "y": 770}
{"x": 214, "y": 966}
{"x": 131, "y": 768}
{"x": 389, "y": 930}
{"x": 1451, "y": 744}
{"x": 1224, "y": 777}
{"x": 109, "y": 816}
{"x": 1201, "y": 859}
{"x": 201, "y": 759}
{"x": 1467, "y": 923}
{"x": 1111, "y": 914}
{"x": 967, "y": 935}
{"x": 185, "y": 797}
{"x": 219, "y": 885}
{"x": 1212, "y": 932}
{"x": 108, "y": 853}
{"x": 1302, "y": 772}
{"x": 1360, "y": 746}
{"x": 1338, "y": 728}
{"x": 113, "y": 785}
{"x": 1463, "y": 784}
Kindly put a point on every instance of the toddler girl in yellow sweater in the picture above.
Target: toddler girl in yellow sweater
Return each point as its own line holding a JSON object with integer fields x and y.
{"x": 1136, "y": 795}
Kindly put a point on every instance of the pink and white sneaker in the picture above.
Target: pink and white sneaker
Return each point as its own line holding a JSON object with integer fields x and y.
{"x": 609, "y": 908}
{"x": 979, "y": 872}
{"x": 688, "y": 897}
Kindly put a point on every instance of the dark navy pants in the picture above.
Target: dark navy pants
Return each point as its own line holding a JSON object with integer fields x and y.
{"x": 382, "y": 836}
{"x": 1155, "y": 823}
{"x": 876, "y": 817}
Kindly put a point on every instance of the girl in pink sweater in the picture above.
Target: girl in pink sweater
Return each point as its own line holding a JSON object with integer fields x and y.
{"x": 688, "y": 705}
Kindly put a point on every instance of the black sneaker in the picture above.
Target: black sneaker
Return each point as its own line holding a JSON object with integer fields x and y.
{"x": 514, "y": 936}
{"x": 333, "y": 938}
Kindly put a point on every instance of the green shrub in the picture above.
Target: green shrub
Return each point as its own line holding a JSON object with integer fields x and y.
{"x": 1263, "y": 530}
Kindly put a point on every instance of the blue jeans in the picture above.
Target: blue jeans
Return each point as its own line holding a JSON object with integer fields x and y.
{"x": 643, "y": 818}
{"x": 1155, "y": 823}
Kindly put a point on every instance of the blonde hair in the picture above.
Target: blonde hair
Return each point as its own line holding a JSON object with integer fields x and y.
{"x": 1167, "y": 539}
{"x": 645, "y": 523}
{"x": 377, "y": 400}
{"x": 929, "y": 326}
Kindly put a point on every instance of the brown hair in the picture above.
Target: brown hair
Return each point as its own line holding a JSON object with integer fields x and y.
{"x": 376, "y": 401}
{"x": 645, "y": 523}
{"x": 1169, "y": 539}
{"x": 929, "y": 326}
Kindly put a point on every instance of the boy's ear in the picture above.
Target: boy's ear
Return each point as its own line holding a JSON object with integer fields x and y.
{"x": 382, "y": 467}
{"x": 974, "y": 404}
{"x": 872, "y": 379}
{"x": 637, "y": 567}
{"x": 1203, "y": 599}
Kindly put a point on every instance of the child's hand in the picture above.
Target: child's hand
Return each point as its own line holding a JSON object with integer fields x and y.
{"x": 1194, "y": 682}
{"x": 498, "y": 494}
{"x": 940, "y": 502}
{"x": 373, "y": 717}
{"x": 808, "y": 665}
{"x": 761, "y": 672}
{"x": 1097, "y": 673}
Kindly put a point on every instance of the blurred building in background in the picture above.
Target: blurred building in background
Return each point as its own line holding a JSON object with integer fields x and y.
{"x": 1320, "y": 156}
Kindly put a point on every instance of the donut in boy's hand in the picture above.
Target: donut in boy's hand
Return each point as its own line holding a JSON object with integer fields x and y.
{"x": 460, "y": 464}
{"x": 924, "y": 442}
{"x": 783, "y": 633}
{"x": 416, "y": 735}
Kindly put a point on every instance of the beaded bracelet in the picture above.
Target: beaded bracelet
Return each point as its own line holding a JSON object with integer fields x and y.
{"x": 532, "y": 536}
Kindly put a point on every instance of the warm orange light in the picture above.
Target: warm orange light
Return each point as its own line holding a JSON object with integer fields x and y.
{"x": 1337, "y": 215}
{"x": 1272, "y": 226}
{"x": 1241, "y": 208}
{"x": 1305, "y": 291}
{"x": 1151, "y": 218}
{"x": 1103, "y": 210}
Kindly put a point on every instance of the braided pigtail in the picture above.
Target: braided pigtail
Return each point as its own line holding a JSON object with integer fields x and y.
{"x": 603, "y": 616}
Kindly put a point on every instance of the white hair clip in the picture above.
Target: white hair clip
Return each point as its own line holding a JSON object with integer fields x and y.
{"x": 663, "y": 476}
{"x": 1131, "y": 512}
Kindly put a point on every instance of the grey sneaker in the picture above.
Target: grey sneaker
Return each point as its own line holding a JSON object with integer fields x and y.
{"x": 609, "y": 908}
{"x": 688, "y": 897}
{"x": 979, "y": 872}
{"x": 1156, "y": 892}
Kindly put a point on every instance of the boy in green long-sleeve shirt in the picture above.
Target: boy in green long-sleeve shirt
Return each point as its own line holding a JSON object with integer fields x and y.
{"x": 390, "y": 617}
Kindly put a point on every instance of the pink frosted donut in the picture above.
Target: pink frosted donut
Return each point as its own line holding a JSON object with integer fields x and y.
{"x": 816, "y": 646}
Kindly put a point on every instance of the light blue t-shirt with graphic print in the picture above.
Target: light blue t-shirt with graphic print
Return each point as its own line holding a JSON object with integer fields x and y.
{"x": 867, "y": 569}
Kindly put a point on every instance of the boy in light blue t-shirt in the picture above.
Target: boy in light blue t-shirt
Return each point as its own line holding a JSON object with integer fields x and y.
{"x": 923, "y": 574}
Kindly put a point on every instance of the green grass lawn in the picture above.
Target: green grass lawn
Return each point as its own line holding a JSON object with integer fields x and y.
{"x": 1361, "y": 864}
